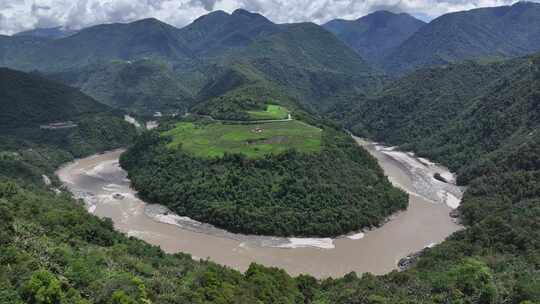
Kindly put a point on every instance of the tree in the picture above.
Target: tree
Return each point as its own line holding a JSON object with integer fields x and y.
{"x": 44, "y": 288}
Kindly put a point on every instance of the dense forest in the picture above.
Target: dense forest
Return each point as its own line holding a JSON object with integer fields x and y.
{"x": 464, "y": 115}
{"x": 332, "y": 192}
{"x": 28, "y": 102}
{"x": 479, "y": 118}
{"x": 53, "y": 251}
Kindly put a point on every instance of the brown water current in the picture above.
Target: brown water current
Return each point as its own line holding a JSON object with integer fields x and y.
{"x": 105, "y": 189}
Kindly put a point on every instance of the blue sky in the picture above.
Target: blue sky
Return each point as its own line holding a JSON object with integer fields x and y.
{"x": 18, "y": 15}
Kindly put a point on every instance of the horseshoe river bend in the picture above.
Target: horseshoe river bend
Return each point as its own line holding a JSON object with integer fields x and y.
{"x": 103, "y": 186}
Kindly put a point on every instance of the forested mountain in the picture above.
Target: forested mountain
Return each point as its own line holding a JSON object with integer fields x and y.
{"x": 50, "y": 32}
{"x": 336, "y": 189}
{"x": 44, "y": 124}
{"x": 201, "y": 57}
{"x": 141, "y": 86}
{"x": 505, "y": 31}
{"x": 147, "y": 38}
{"x": 375, "y": 35}
{"x": 292, "y": 61}
{"x": 28, "y": 100}
{"x": 51, "y": 247}
{"x": 460, "y": 114}
{"x": 480, "y": 118}
{"x": 219, "y": 31}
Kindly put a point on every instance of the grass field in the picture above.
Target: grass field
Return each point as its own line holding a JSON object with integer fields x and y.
{"x": 272, "y": 112}
{"x": 253, "y": 140}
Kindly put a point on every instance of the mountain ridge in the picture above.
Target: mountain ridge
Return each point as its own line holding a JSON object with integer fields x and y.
{"x": 504, "y": 31}
{"x": 375, "y": 34}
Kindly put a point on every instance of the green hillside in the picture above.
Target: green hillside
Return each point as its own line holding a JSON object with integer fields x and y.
{"x": 28, "y": 100}
{"x": 375, "y": 35}
{"x": 293, "y": 62}
{"x": 456, "y": 114}
{"x": 172, "y": 68}
{"x": 31, "y": 144}
{"x": 480, "y": 119}
{"x": 51, "y": 246}
{"x": 278, "y": 178}
{"x": 492, "y": 32}
{"x": 142, "y": 86}
{"x": 252, "y": 140}
{"x": 270, "y": 113}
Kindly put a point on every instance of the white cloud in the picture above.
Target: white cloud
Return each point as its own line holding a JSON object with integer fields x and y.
{"x": 18, "y": 15}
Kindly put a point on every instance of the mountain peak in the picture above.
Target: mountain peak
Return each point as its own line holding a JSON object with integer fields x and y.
{"x": 215, "y": 15}
{"x": 241, "y": 11}
{"x": 247, "y": 14}
{"x": 384, "y": 15}
{"x": 50, "y": 32}
{"x": 380, "y": 13}
{"x": 149, "y": 21}
{"x": 375, "y": 34}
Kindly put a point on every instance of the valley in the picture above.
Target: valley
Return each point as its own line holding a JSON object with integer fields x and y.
{"x": 426, "y": 222}
{"x": 235, "y": 159}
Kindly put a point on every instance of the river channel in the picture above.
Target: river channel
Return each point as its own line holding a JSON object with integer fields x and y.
{"x": 106, "y": 192}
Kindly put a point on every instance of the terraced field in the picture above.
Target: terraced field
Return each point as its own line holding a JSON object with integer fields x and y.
{"x": 252, "y": 140}
{"x": 272, "y": 112}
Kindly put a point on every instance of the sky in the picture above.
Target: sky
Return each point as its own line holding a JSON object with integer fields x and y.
{"x": 19, "y": 15}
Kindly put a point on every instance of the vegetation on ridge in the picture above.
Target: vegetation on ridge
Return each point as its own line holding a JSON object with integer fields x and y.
{"x": 333, "y": 191}
{"x": 252, "y": 140}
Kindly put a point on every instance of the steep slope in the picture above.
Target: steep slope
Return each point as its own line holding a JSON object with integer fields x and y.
{"x": 51, "y": 32}
{"x": 28, "y": 100}
{"x": 219, "y": 31}
{"x": 31, "y": 108}
{"x": 199, "y": 59}
{"x": 141, "y": 86}
{"x": 292, "y": 60}
{"x": 375, "y": 35}
{"x": 15, "y": 50}
{"x": 458, "y": 113}
{"x": 505, "y": 31}
{"x": 147, "y": 38}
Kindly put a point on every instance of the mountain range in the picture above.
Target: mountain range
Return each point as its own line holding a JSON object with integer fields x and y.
{"x": 497, "y": 32}
{"x": 399, "y": 43}
{"x": 456, "y": 90}
{"x": 464, "y": 115}
{"x": 197, "y": 57}
{"x": 220, "y": 54}
{"x": 49, "y": 32}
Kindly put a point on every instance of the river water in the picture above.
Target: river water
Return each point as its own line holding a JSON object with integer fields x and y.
{"x": 105, "y": 189}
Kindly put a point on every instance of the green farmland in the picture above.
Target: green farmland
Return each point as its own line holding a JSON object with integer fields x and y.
{"x": 253, "y": 140}
{"x": 272, "y": 112}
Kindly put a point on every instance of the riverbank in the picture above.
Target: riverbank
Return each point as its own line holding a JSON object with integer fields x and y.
{"x": 98, "y": 178}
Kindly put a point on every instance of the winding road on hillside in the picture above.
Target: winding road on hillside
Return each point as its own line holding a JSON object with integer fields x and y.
{"x": 106, "y": 191}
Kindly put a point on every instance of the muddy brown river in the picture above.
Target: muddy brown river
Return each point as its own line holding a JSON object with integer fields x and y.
{"x": 105, "y": 189}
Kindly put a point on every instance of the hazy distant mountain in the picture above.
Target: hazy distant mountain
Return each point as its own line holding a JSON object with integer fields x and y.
{"x": 218, "y": 30}
{"x": 304, "y": 61}
{"x": 374, "y": 35}
{"x": 51, "y": 32}
{"x": 147, "y": 38}
{"x": 487, "y": 32}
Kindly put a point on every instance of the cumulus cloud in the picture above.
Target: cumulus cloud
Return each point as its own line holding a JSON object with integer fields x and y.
{"x": 18, "y": 15}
